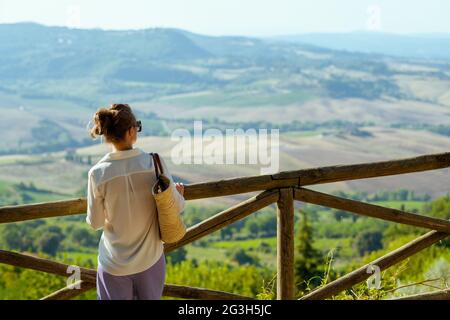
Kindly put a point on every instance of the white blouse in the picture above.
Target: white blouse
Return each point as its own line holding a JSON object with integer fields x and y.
{"x": 119, "y": 200}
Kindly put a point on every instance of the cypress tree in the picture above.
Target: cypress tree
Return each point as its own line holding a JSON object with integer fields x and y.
{"x": 308, "y": 261}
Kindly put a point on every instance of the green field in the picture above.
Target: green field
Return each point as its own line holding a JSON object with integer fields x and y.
{"x": 408, "y": 205}
{"x": 245, "y": 244}
{"x": 238, "y": 99}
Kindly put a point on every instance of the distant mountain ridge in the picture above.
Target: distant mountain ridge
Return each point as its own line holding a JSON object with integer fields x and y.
{"x": 32, "y": 50}
{"x": 63, "y": 75}
{"x": 424, "y": 46}
{"x": 160, "y": 62}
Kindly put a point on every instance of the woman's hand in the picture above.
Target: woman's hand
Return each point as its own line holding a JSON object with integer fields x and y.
{"x": 180, "y": 187}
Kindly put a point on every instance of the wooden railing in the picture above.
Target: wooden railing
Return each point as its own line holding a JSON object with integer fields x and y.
{"x": 281, "y": 188}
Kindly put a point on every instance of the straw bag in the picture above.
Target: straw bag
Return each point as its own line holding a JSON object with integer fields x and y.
{"x": 167, "y": 198}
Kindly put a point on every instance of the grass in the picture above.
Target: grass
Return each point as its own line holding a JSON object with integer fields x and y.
{"x": 217, "y": 250}
{"x": 71, "y": 176}
{"x": 5, "y": 186}
{"x": 10, "y": 194}
{"x": 14, "y": 158}
{"x": 292, "y": 135}
{"x": 343, "y": 246}
{"x": 409, "y": 205}
{"x": 239, "y": 99}
{"x": 245, "y": 244}
{"x": 193, "y": 252}
{"x": 205, "y": 253}
{"x": 78, "y": 256}
{"x": 25, "y": 159}
{"x": 45, "y": 196}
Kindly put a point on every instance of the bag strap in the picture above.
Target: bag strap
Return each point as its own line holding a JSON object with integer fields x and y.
{"x": 157, "y": 162}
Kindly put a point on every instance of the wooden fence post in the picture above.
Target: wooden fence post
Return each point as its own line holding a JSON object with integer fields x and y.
{"x": 285, "y": 245}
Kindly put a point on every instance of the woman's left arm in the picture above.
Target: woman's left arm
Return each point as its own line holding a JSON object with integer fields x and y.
{"x": 95, "y": 205}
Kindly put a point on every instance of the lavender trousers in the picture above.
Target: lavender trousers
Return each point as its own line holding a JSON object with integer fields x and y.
{"x": 145, "y": 285}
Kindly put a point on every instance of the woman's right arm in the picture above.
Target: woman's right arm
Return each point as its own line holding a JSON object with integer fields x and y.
{"x": 180, "y": 187}
{"x": 179, "y": 195}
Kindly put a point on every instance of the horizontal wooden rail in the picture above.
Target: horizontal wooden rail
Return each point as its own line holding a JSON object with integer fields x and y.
{"x": 248, "y": 184}
{"x": 185, "y": 292}
{"x": 273, "y": 184}
{"x": 88, "y": 279}
{"x": 383, "y": 263}
{"x": 170, "y": 290}
{"x": 227, "y": 187}
{"x": 435, "y": 295}
{"x": 70, "y": 292}
{"x": 88, "y": 276}
{"x": 316, "y": 176}
{"x": 42, "y": 210}
{"x": 225, "y": 218}
{"x": 40, "y": 264}
{"x": 371, "y": 210}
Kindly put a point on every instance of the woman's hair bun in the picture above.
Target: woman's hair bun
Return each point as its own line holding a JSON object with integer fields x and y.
{"x": 112, "y": 122}
{"x": 103, "y": 120}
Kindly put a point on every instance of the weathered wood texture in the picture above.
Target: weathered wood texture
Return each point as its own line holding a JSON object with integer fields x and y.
{"x": 279, "y": 189}
{"x": 170, "y": 290}
{"x": 249, "y": 184}
{"x": 40, "y": 264}
{"x": 371, "y": 210}
{"x": 200, "y": 293}
{"x": 70, "y": 292}
{"x": 316, "y": 176}
{"x": 285, "y": 245}
{"x": 225, "y": 218}
{"x": 383, "y": 263}
{"x": 42, "y": 210}
{"x": 435, "y": 295}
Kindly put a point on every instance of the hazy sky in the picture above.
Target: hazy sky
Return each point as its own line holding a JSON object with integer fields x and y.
{"x": 245, "y": 17}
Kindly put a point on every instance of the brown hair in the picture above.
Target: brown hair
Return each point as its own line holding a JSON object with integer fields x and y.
{"x": 113, "y": 122}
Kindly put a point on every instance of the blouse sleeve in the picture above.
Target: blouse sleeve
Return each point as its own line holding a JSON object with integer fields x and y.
{"x": 95, "y": 205}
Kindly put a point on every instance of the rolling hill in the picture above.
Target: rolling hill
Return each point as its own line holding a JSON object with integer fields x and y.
{"x": 52, "y": 79}
{"x": 422, "y": 46}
